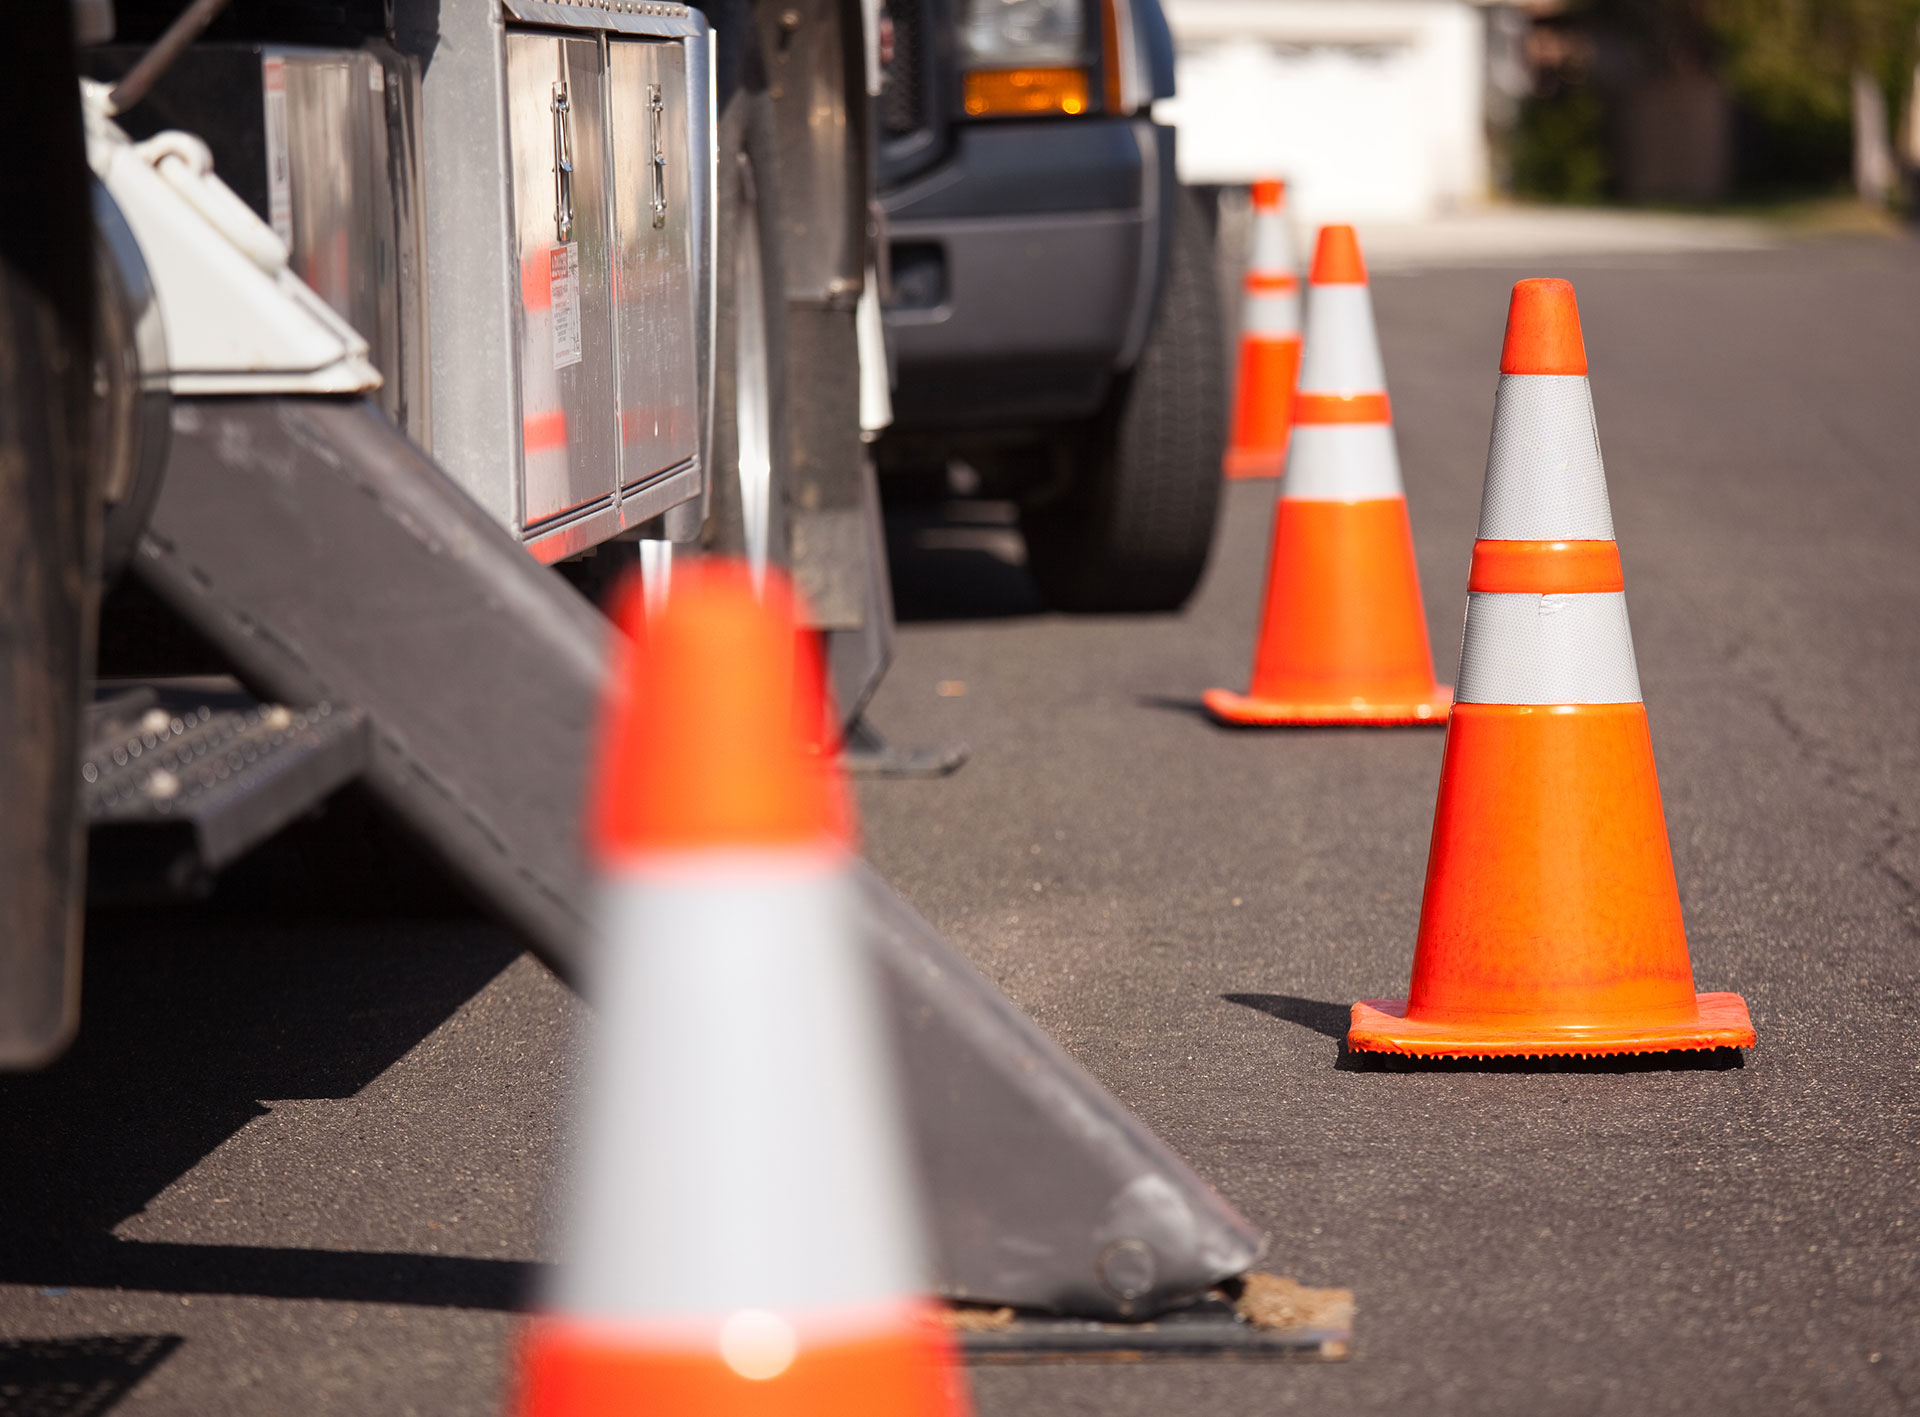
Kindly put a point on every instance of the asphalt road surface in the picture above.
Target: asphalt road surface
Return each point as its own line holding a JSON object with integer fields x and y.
{"x": 274, "y": 1126}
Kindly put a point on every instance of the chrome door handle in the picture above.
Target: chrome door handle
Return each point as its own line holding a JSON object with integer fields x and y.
{"x": 562, "y": 164}
{"x": 657, "y": 110}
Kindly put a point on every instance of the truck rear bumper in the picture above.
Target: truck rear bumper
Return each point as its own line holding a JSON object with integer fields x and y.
{"x": 1024, "y": 272}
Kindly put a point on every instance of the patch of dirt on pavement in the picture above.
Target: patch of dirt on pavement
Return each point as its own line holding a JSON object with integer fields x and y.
{"x": 975, "y": 1320}
{"x": 1274, "y": 1301}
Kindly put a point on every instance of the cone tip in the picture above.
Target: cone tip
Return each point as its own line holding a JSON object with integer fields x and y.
{"x": 1543, "y": 330}
{"x": 1336, "y": 258}
{"x": 714, "y": 735}
{"x": 1269, "y": 193}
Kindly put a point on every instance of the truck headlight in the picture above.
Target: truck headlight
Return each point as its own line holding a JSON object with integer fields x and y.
{"x": 1006, "y": 34}
{"x": 1024, "y": 57}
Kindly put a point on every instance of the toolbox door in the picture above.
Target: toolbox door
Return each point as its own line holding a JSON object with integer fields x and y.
{"x": 654, "y": 312}
{"x": 556, "y": 123}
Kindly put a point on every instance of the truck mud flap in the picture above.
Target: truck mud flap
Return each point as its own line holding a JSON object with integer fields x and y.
{"x": 333, "y": 562}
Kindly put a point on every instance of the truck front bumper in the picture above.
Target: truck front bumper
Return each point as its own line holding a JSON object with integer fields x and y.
{"x": 1025, "y": 271}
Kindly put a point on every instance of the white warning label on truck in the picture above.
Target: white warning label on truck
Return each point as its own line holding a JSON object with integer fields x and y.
{"x": 563, "y": 271}
{"x": 273, "y": 82}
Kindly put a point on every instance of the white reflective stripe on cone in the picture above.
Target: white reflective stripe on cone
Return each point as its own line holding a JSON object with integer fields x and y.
{"x": 1521, "y": 648}
{"x": 1343, "y": 353}
{"x": 1271, "y": 313}
{"x": 1272, "y": 245}
{"x": 742, "y": 1142}
{"x": 1342, "y": 462}
{"x": 1545, "y": 481}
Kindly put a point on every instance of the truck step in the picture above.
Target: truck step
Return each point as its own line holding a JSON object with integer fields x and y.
{"x": 180, "y": 777}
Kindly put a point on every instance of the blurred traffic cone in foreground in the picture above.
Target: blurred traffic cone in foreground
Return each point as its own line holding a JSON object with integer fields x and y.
{"x": 743, "y": 1237}
{"x": 1551, "y": 923}
{"x": 1344, "y": 638}
{"x": 1269, "y": 342}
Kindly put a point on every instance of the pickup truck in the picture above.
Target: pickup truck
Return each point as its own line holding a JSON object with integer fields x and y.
{"x": 1052, "y": 312}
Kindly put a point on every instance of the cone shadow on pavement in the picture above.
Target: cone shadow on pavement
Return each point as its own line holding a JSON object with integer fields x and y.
{"x": 1315, "y": 1015}
{"x": 1551, "y": 920}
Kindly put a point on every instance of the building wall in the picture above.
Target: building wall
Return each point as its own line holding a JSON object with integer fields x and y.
{"x": 1372, "y": 109}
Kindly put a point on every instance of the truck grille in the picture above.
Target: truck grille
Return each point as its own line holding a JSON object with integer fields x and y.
{"x": 903, "y": 100}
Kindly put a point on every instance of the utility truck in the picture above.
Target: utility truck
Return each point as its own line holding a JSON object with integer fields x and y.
{"x": 527, "y": 275}
{"x": 347, "y": 350}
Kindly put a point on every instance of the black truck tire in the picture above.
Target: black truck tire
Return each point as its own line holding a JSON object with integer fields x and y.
{"x": 750, "y": 277}
{"x": 1132, "y": 529}
{"x": 49, "y": 533}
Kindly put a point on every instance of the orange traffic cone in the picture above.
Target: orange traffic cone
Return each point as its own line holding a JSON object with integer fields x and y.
{"x": 1344, "y": 638}
{"x": 744, "y": 1238}
{"x": 1551, "y": 923}
{"x": 1269, "y": 342}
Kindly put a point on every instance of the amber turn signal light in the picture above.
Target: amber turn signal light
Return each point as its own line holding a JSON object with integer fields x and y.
{"x": 992, "y": 92}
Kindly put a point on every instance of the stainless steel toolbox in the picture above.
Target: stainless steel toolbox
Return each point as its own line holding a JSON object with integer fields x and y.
{"x": 608, "y": 386}
{"x": 569, "y": 198}
{"x": 518, "y": 218}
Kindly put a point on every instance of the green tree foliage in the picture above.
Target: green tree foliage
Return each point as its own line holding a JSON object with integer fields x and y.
{"x": 1792, "y": 59}
{"x": 1787, "y": 64}
{"x": 1559, "y": 150}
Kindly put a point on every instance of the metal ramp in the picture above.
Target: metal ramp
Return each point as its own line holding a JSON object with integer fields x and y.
{"x": 335, "y": 564}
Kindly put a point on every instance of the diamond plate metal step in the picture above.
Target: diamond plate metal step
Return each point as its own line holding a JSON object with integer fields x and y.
{"x": 181, "y": 777}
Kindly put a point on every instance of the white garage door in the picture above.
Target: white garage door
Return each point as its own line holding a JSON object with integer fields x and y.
{"x": 1342, "y": 122}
